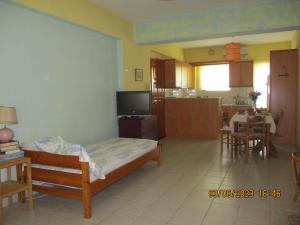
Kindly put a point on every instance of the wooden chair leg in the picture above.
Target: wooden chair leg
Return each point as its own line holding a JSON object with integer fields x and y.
{"x": 263, "y": 148}
{"x": 232, "y": 146}
{"x": 221, "y": 141}
{"x": 228, "y": 140}
{"x": 247, "y": 151}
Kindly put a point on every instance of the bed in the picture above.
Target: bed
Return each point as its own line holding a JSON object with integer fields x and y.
{"x": 66, "y": 176}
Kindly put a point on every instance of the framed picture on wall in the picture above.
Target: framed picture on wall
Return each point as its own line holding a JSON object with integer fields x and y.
{"x": 138, "y": 74}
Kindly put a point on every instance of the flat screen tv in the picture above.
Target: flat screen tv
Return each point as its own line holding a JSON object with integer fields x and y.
{"x": 133, "y": 103}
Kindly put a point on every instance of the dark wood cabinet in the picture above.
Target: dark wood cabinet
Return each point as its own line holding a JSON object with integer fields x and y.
{"x": 157, "y": 73}
{"x": 172, "y": 71}
{"x": 283, "y": 93}
{"x": 241, "y": 74}
{"x": 158, "y": 109}
{"x": 145, "y": 127}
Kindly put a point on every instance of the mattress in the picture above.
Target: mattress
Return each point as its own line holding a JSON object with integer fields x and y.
{"x": 114, "y": 153}
{"x": 109, "y": 155}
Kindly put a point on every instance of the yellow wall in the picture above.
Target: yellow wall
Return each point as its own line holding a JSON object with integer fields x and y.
{"x": 89, "y": 15}
{"x": 257, "y": 53}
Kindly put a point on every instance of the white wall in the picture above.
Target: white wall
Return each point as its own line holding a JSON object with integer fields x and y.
{"x": 60, "y": 77}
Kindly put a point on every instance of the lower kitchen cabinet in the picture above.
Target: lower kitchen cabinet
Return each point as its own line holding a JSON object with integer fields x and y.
{"x": 192, "y": 118}
{"x": 158, "y": 109}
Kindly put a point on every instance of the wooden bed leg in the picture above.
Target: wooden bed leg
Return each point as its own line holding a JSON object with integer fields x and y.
{"x": 86, "y": 190}
{"x": 158, "y": 160}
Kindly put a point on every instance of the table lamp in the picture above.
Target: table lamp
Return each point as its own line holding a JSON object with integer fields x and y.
{"x": 8, "y": 115}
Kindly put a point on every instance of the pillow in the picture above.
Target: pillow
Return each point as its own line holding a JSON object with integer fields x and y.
{"x": 52, "y": 144}
{"x": 48, "y": 144}
{"x": 58, "y": 145}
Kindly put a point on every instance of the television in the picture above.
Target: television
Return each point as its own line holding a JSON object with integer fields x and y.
{"x": 134, "y": 103}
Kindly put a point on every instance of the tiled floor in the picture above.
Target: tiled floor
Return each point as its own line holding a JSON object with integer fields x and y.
{"x": 177, "y": 192}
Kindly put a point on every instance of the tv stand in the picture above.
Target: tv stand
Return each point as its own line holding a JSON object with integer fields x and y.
{"x": 145, "y": 127}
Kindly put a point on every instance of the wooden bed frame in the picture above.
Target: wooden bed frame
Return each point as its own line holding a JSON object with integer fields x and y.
{"x": 82, "y": 189}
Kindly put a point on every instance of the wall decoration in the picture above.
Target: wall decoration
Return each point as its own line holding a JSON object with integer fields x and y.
{"x": 138, "y": 74}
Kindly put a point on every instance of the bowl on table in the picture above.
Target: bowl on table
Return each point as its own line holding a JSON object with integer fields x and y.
{"x": 250, "y": 111}
{"x": 264, "y": 112}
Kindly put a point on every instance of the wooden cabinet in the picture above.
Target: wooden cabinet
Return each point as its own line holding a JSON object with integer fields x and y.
{"x": 158, "y": 109}
{"x": 171, "y": 70}
{"x": 193, "y": 118}
{"x": 138, "y": 127}
{"x": 191, "y": 76}
{"x": 241, "y": 74}
{"x": 157, "y": 73}
{"x": 178, "y": 74}
{"x": 283, "y": 92}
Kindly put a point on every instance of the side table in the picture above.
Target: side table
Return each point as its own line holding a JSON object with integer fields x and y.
{"x": 11, "y": 187}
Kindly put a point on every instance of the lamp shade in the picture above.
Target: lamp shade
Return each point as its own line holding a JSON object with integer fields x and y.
{"x": 8, "y": 115}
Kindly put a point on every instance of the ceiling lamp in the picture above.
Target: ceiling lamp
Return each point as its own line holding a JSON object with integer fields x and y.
{"x": 233, "y": 51}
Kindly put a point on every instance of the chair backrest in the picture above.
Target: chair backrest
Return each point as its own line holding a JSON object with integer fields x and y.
{"x": 253, "y": 123}
{"x": 225, "y": 118}
{"x": 278, "y": 117}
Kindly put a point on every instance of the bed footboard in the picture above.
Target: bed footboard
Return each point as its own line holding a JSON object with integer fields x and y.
{"x": 79, "y": 185}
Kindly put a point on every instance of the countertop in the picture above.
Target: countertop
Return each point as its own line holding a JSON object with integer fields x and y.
{"x": 197, "y": 98}
{"x": 236, "y": 105}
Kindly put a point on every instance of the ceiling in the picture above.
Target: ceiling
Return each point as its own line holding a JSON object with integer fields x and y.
{"x": 243, "y": 39}
{"x": 138, "y": 10}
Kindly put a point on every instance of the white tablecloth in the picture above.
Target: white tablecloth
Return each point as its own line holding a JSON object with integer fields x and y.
{"x": 243, "y": 118}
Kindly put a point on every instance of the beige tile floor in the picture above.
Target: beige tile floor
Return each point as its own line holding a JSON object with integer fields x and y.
{"x": 177, "y": 192}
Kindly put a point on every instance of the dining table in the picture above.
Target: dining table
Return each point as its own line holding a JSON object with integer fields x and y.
{"x": 271, "y": 128}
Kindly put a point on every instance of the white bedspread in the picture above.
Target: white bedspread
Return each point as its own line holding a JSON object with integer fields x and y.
{"x": 114, "y": 153}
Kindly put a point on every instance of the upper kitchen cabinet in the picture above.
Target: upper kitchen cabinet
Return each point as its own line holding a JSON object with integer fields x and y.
{"x": 191, "y": 76}
{"x": 241, "y": 74}
{"x": 172, "y": 73}
{"x": 178, "y": 74}
{"x": 157, "y": 73}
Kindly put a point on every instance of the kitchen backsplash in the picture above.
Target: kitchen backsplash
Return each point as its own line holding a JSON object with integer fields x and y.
{"x": 228, "y": 97}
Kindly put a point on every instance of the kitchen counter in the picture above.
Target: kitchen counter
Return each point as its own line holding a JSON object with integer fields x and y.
{"x": 192, "y": 117}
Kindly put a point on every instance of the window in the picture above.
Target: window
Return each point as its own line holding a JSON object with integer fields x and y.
{"x": 214, "y": 77}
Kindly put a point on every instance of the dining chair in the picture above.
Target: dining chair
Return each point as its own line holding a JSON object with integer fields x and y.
{"x": 249, "y": 133}
{"x": 277, "y": 118}
{"x": 225, "y": 137}
{"x": 296, "y": 171}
